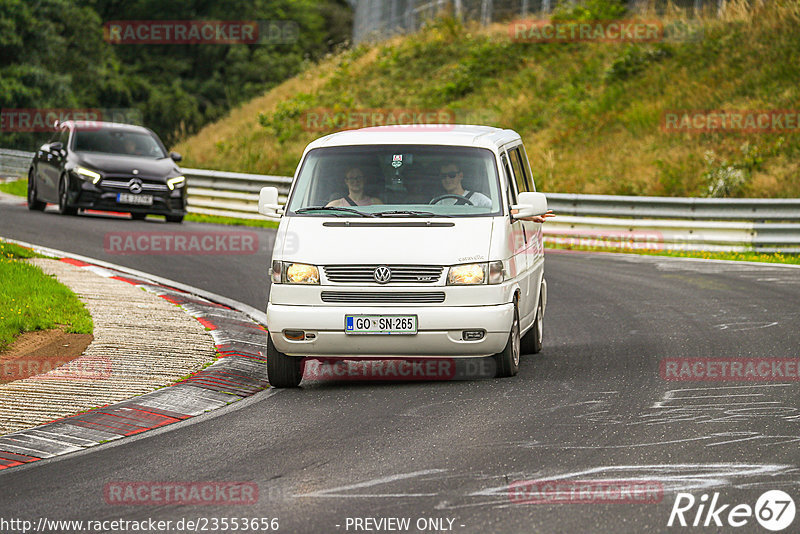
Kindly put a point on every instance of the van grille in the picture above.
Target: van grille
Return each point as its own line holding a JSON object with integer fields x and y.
{"x": 406, "y": 274}
{"x": 383, "y": 296}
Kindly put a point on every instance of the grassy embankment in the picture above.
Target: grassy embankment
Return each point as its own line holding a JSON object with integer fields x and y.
{"x": 590, "y": 113}
{"x": 31, "y": 300}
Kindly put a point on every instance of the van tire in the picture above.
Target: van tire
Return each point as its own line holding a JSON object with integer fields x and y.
{"x": 507, "y": 362}
{"x": 532, "y": 341}
{"x": 282, "y": 371}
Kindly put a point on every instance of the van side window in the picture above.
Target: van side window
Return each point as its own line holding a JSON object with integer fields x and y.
{"x": 512, "y": 193}
{"x": 527, "y": 166}
{"x": 519, "y": 172}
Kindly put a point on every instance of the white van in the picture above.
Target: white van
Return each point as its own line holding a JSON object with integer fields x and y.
{"x": 407, "y": 242}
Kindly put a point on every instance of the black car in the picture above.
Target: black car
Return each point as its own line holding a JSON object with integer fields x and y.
{"x": 107, "y": 166}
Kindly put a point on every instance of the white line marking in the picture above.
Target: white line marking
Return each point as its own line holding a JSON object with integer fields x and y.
{"x": 376, "y": 482}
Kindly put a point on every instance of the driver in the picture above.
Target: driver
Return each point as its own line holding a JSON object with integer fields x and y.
{"x": 451, "y": 177}
{"x": 131, "y": 148}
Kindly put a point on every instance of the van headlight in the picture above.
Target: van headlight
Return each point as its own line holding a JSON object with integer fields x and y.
{"x": 476, "y": 273}
{"x": 467, "y": 274}
{"x": 300, "y": 273}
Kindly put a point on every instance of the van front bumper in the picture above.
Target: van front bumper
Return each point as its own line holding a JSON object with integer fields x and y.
{"x": 439, "y": 331}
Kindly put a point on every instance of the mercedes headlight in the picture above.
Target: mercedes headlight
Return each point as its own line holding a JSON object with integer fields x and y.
{"x": 178, "y": 181}
{"x": 88, "y": 174}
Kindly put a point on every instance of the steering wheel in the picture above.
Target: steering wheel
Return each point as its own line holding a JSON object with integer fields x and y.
{"x": 442, "y": 197}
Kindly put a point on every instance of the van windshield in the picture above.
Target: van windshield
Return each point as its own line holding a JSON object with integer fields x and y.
{"x": 397, "y": 181}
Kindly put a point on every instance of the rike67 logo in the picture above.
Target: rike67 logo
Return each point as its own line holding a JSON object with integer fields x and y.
{"x": 774, "y": 510}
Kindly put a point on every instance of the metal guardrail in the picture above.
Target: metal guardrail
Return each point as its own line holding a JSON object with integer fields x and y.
{"x": 739, "y": 209}
{"x": 674, "y": 223}
{"x": 230, "y": 194}
{"x": 14, "y": 163}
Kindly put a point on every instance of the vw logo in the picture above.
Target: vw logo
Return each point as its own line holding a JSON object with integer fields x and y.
{"x": 382, "y": 274}
{"x": 135, "y": 185}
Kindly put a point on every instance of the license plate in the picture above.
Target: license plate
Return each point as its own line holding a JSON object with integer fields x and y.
{"x": 141, "y": 200}
{"x": 380, "y": 324}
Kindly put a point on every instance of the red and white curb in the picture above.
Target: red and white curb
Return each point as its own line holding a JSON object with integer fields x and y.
{"x": 240, "y": 371}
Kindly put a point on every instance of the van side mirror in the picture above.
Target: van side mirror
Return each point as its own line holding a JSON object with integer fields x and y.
{"x": 268, "y": 202}
{"x": 57, "y": 146}
{"x": 175, "y": 156}
{"x": 529, "y": 205}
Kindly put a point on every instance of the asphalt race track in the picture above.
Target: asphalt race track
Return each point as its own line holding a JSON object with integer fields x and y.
{"x": 593, "y": 406}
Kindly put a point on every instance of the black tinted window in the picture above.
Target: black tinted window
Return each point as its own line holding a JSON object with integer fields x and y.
{"x": 519, "y": 173}
{"x": 527, "y": 166}
{"x": 121, "y": 142}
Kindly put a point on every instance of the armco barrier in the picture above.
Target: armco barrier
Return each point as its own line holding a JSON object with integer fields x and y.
{"x": 14, "y": 163}
{"x": 676, "y": 223}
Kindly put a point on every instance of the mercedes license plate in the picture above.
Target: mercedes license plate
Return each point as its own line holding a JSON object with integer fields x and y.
{"x": 140, "y": 200}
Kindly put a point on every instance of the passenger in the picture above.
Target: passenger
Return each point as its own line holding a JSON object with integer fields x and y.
{"x": 356, "y": 196}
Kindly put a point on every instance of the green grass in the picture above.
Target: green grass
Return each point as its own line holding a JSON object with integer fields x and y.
{"x": 590, "y": 113}
{"x": 10, "y": 251}
{"x": 17, "y": 187}
{"x": 232, "y": 221}
{"x": 32, "y": 300}
{"x": 731, "y": 256}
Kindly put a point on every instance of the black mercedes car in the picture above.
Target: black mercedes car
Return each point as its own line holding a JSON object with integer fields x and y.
{"x": 107, "y": 166}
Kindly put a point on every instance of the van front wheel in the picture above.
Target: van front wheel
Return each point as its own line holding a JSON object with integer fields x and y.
{"x": 282, "y": 371}
{"x": 507, "y": 362}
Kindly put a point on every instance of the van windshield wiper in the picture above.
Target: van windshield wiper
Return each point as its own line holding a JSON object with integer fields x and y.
{"x": 333, "y": 208}
{"x": 411, "y": 213}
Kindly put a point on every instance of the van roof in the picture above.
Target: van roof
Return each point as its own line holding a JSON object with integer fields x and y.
{"x": 420, "y": 134}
